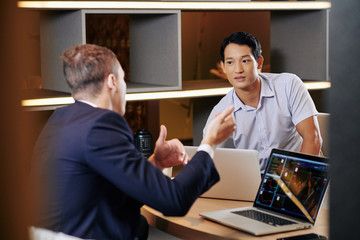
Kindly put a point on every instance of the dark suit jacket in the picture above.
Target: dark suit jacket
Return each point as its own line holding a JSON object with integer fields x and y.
{"x": 96, "y": 181}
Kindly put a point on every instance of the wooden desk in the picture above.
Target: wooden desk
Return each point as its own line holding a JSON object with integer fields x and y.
{"x": 192, "y": 226}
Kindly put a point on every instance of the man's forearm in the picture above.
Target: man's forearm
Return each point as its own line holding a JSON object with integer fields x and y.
{"x": 312, "y": 146}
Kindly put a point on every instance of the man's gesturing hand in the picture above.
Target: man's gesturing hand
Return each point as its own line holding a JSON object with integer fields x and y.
{"x": 220, "y": 127}
{"x": 168, "y": 153}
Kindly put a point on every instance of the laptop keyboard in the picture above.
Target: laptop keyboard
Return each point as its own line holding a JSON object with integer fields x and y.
{"x": 263, "y": 217}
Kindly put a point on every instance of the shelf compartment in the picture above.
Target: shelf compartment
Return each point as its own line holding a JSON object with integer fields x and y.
{"x": 299, "y": 43}
{"x": 155, "y": 48}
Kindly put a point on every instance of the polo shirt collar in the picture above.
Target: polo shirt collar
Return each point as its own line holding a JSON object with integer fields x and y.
{"x": 265, "y": 91}
{"x": 238, "y": 104}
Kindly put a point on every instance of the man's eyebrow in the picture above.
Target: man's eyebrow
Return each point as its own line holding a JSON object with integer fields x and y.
{"x": 246, "y": 55}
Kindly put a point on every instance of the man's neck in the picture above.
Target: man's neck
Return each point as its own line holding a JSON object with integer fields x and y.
{"x": 250, "y": 96}
{"x": 95, "y": 102}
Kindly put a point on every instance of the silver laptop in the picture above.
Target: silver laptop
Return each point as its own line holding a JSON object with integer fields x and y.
{"x": 236, "y": 167}
{"x": 289, "y": 197}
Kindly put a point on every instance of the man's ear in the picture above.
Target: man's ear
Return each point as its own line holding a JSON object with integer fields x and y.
{"x": 111, "y": 82}
{"x": 260, "y": 62}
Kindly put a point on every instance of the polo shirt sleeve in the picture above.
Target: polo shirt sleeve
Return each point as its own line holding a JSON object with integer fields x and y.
{"x": 300, "y": 102}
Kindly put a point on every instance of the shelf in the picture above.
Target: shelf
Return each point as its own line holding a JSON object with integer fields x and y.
{"x": 42, "y": 99}
{"x": 203, "y": 84}
{"x": 178, "y": 5}
{"x": 299, "y": 33}
{"x": 149, "y": 59}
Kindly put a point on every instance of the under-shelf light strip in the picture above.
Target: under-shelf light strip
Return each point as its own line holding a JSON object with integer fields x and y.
{"x": 157, "y": 95}
{"x": 177, "y": 94}
{"x": 133, "y": 96}
{"x": 221, "y": 5}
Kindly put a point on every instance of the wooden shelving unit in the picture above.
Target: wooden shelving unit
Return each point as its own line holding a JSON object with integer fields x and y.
{"x": 299, "y": 39}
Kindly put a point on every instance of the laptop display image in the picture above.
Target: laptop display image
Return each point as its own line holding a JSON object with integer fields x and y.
{"x": 239, "y": 172}
{"x": 289, "y": 196}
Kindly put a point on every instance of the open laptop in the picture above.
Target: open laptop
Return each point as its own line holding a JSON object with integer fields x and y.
{"x": 239, "y": 172}
{"x": 291, "y": 190}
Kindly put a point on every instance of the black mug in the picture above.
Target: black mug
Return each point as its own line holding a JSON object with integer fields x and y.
{"x": 144, "y": 142}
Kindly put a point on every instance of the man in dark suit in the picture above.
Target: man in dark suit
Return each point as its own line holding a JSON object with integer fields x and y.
{"x": 94, "y": 180}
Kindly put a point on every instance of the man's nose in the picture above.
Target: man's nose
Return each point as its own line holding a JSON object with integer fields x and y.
{"x": 239, "y": 67}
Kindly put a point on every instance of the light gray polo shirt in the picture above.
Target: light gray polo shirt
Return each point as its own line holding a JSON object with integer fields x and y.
{"x": 284, "y": 102}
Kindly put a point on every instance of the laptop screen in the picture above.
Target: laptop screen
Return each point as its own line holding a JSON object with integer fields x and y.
{"x": 293, "y": 184}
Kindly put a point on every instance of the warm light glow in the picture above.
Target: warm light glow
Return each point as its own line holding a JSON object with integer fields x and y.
{"x": 47, "y": 101}
{"x": 317, "y": 85}
{"x": 175, "y": 5}
{"x": 158, "y": 95}
{"x": 133, "y": 96}
{"x": 177, "y": 94}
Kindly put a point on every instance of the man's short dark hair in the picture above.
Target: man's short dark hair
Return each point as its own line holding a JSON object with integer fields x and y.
{"x": 87, "y": 66}
{"x": 242, "y": 38}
